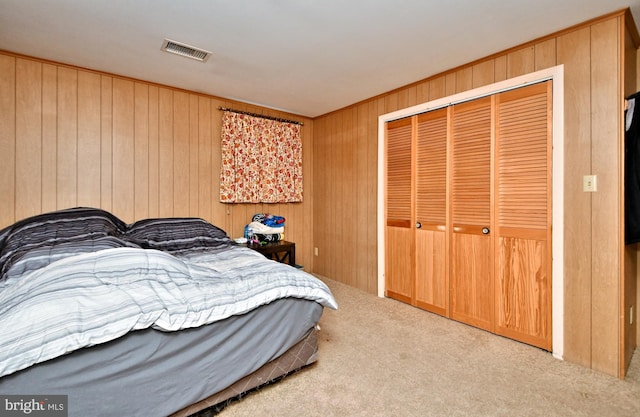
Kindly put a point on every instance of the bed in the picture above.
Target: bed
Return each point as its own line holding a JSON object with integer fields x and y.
{"x": 160, "y": 317}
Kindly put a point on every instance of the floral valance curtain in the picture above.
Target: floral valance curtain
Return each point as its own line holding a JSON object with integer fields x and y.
{"x": 261, "y": 160}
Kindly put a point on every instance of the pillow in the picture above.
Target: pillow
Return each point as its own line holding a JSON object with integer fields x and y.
{"x": 177, "y": 234}
{"x": 55, "y": 228}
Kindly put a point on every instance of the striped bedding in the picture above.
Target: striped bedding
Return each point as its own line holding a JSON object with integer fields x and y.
{"x": 59, "y": 293}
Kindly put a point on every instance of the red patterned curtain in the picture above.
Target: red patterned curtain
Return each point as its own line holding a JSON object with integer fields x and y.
{"x": 261, "y": 160}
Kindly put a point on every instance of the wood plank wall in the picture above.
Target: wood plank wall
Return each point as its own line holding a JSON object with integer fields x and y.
{"x": 74, "y": 137}
{"x": 345, "y": 163}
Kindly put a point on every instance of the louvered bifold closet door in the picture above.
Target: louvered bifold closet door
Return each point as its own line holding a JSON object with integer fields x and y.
{"x": 399, "y": 246}
{"x": 471, "y": 249}
{"x": 431, "y": 203}
{"x": 523, "y": 149}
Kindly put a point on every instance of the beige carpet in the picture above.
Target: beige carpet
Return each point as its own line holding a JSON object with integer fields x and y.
{"x": 380, "y": 357}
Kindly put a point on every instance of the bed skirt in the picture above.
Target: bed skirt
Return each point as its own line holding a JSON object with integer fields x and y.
{"x": 297, "y": 357}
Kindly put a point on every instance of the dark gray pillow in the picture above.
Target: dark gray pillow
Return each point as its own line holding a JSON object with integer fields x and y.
{"x": 177, "y": 234}
{"x": 49, "y": 230}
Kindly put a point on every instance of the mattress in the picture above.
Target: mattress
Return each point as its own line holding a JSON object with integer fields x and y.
{"x": 155, "y": 373}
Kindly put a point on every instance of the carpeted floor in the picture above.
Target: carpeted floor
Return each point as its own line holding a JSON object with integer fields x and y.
{"x": 380, "y": 357}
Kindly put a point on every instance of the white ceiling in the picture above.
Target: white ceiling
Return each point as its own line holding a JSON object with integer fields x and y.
{"x": 306, "y": 57}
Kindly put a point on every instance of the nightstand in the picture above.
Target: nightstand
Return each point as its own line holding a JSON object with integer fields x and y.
{"x": 281, "y": 251}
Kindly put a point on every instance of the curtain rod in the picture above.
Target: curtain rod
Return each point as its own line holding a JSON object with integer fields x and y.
{"x": 261, "y": 116}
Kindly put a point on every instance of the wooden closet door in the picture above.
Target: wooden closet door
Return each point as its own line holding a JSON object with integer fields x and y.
{"x": 523, "y": 171}
{"x": 471, "y": 249}
{"x": 399, "y": 245}
{"x": 431, "y": 290}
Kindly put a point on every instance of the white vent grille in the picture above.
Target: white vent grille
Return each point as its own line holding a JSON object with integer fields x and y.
{"x": 185, "y": 50}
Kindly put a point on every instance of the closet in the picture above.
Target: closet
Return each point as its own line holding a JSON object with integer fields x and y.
{"x": 468, "y": 212}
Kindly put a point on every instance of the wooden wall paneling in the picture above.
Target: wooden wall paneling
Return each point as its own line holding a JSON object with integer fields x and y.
{"x": 288, "y": 211}
{"x": 323, "y": 156}
{"x": 341, "y": 184}
{"x": 127, "y": 146}
{"x": 49, "y": 137}
{"x": 326, "y": 158}
{"x": 141, "y": 127}
{"x": 153, "y": 152}
{"x": 342, "y": 181}
{"x": 28, "y": 147}
{"x": 106, "y": 142}
{"x": 520, "y": 62}
{"x": 500, "y": 68}
{"x": 361, "y": 145}
{"x": 402, "y": 98}
{"x": 544, "y": 54}
{"x": 407, "y": 97}
{"x": 7, "y": 139}
{"x": 464, "y": 79}
{"x": 437, "y": 88}
{"x": 483, "y": 73}
{"x": 194, "y": 142}
{"x": 450, "y": 84}
{"x": 335, "y": 218}
{"x": 89, "y": 146}
{"x": 605, "y": 157}
{"x": 422, "y": 92}
{"x": 123, "y": 149}
{"x": 338, "y": 181}
{"x": 412, "y": 95}
{"x": 391, "y": 102}
{"x": 233, "y": 218}
{"x": 220, "y": 212}
{"x": 308, "y": 163}
{"x": 181, "y": 152}
{"x": 309, "y": 184}
{"x": 320, "y": 189}
{"x": 205, "y": 160}
{"x": 375, "y": 109}
{"x": 67, "y": 169}
{"x": 358, "y": 222}
{"x": 165, "y": 150}
{"x": 573, "y": 51}
{"x": 351, "y": 224}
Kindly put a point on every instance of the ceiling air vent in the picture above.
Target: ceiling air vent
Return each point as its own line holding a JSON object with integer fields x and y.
{"x": 185, "y": 50}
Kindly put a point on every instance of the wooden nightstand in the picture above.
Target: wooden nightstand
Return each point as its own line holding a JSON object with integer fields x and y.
{"x": 281, "y": 251}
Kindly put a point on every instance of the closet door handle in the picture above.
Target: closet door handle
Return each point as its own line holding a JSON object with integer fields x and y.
{"x": 418, "y": 225}
{"x": 485, "y": 231}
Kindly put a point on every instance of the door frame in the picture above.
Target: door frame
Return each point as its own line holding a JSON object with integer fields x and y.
{"x": 556, "y": 74}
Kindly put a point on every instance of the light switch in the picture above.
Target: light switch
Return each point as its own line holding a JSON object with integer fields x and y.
{"x": 589, "y": 184}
